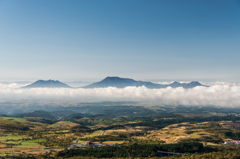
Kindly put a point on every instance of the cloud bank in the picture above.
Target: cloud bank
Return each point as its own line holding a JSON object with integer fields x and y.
{"x": 11, "y": 85}
{"x": 216, "y": 95}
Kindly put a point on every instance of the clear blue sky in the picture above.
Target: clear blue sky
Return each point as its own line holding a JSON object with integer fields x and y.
{"x": 153, "y": 40}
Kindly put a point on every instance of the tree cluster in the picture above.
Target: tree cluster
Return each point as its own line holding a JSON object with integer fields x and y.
{"x": 135, "y": 150}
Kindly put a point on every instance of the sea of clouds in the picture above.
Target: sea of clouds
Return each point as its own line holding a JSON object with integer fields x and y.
{"x": 220, "y": 94}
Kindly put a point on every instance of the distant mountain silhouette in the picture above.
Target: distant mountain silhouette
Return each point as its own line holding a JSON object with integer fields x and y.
{"x": 47, "y": 84}
{"x": 124, "y": 82}
{"x": 185, "y": 85}
{"x": 120, "y": 83}
{"x": 112, "y": 82}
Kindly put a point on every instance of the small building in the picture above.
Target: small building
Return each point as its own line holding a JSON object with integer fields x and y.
{"x": 232, "y": 142}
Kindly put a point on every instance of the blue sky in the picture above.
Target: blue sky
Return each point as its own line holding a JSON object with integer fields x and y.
{"x": 156, "y": 40}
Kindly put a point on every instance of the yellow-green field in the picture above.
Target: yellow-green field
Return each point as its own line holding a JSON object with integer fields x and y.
{"x": 175, "y": 132}
{"x": 113, "y": 142}
{"x": 15, "y": 119}
{"x": 81, "y": 141}
{"x": 12, "y": 137}
{"x": 63, "y": 124}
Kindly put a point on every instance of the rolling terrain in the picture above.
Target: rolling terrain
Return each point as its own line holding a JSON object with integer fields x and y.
{"x": 176, "y": 129}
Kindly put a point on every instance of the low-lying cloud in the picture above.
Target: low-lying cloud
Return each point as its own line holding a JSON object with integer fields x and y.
{"x": 216, "y": 95}
{"x": 11, "y": 85}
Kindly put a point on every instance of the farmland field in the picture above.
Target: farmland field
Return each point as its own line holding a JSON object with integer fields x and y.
{"x": 15, "y": 119}
{"x": 11, "y": 137}
{"x": 113, "y": 142}
{"x": 17, "y": 134}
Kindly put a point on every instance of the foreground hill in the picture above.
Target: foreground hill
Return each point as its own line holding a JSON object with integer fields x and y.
{"x": 125, "y": 82}
{"x": 47, "y": 84}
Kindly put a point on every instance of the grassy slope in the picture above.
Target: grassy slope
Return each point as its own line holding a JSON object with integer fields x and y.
{"x": 15, "y": 119}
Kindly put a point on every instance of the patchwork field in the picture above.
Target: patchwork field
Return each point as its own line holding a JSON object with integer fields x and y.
{"x": 203, "y": 132}
{"x": 19, "y": 136}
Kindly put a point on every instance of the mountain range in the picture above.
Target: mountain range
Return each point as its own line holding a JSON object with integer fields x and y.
{"x": 113, "y": 82}
{"x": 125, "y": 82}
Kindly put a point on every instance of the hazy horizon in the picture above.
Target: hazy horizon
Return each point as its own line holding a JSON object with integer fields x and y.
{"x": 156, "y": 40}
{"x": 31, "y": 80}
{"x": 144, "y": 40}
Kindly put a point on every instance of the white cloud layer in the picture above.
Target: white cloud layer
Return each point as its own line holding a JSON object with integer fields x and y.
{"x": 216, "y": 95}
{"x": 11, "y": 85}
